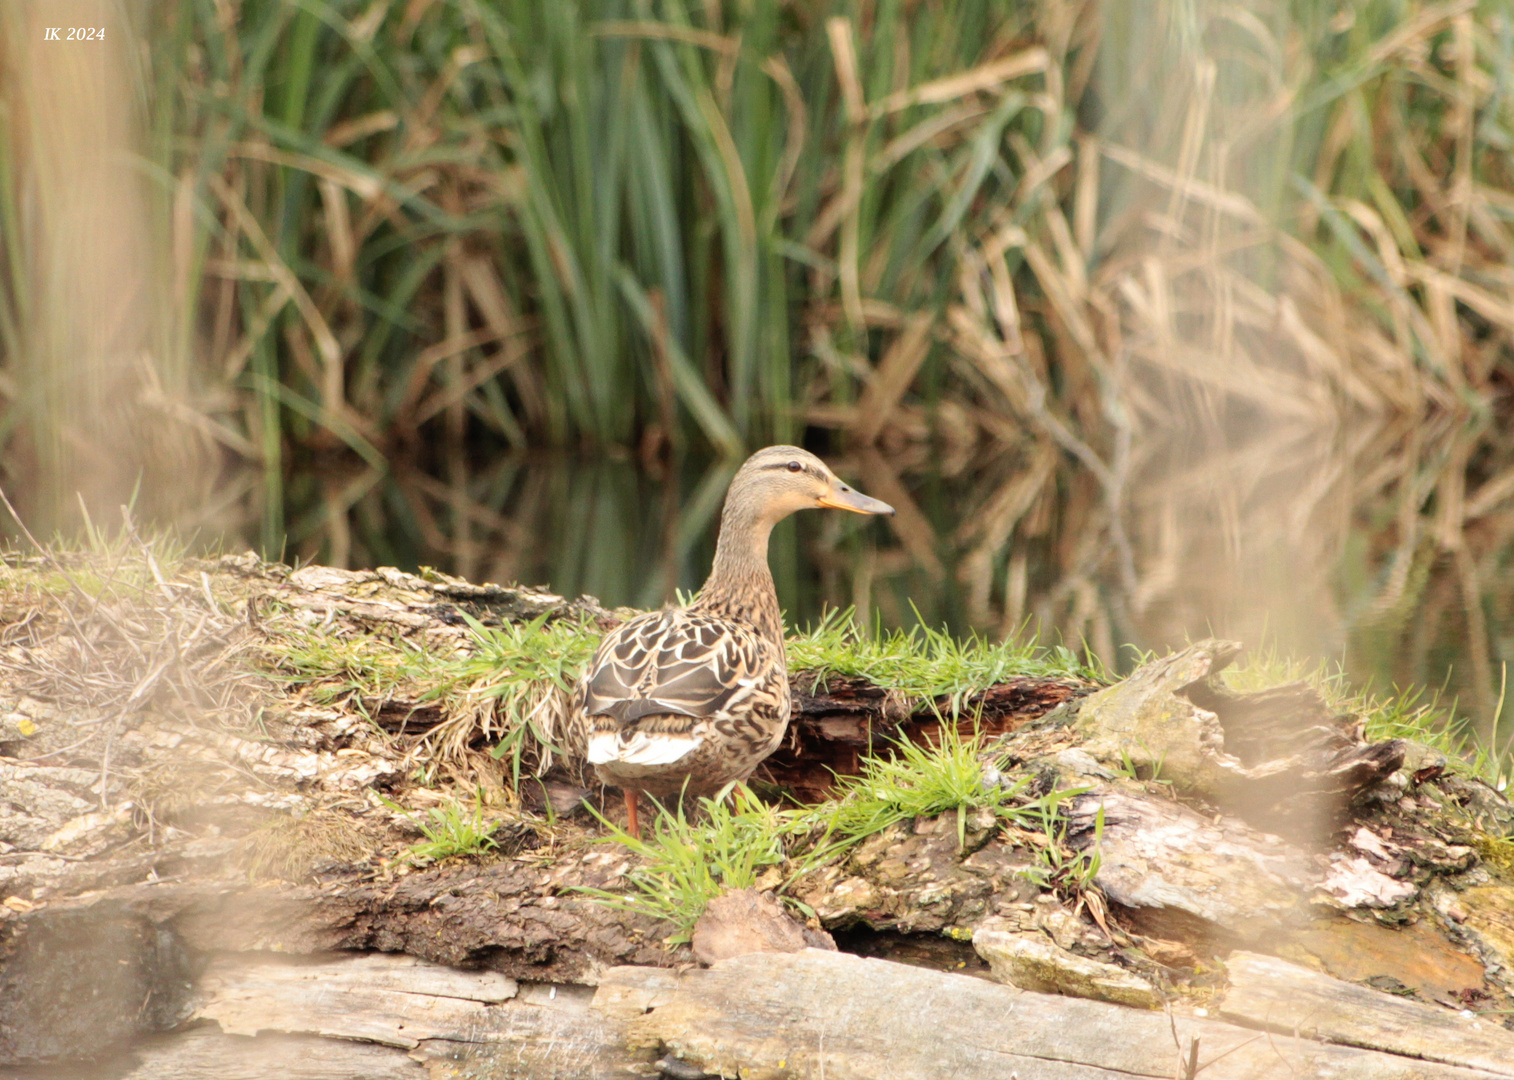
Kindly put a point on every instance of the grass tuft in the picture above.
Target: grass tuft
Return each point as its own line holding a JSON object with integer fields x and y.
{"x": 1414, "y": 713}
{"x": 922, "y": 781}
{"x": 1060, "y": 868}
{"x": 923, "y": 663}
{"x": 507, "y": 684}
{"x": 450, "y": 830}
{"x": 688, "y": 861}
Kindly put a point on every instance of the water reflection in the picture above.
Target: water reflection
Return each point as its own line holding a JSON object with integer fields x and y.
{"x": 1384, "y": 546}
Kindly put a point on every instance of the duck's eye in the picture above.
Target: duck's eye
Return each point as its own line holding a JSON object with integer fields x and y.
{"x": 794, "y": 466}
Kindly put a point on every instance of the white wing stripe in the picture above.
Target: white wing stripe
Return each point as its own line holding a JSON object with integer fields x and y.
{"x": 641, "y": 747}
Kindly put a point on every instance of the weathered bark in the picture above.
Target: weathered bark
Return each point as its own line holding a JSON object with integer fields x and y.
{"x": 814, "y": 1014}
{"x": 1270, "y": 993}
{"x": 840, "y": 721}
{"x": 1181, "y": 875}
{"x": 457, "y": 1023}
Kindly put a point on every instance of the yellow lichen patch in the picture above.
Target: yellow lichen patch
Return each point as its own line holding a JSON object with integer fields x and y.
{"x": 1415, "y": 955}
{"x": 1497, "y": 854}
{"x": 1490, "y": 916}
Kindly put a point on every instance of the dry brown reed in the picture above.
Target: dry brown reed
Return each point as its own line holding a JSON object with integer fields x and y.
{"x": 106, "y": 640}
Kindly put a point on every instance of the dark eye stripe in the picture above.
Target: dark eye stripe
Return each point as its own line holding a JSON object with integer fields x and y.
{"x": 789, "y": 465}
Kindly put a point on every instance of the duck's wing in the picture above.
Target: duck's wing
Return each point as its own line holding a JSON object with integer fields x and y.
{"x": 657, "y": 677}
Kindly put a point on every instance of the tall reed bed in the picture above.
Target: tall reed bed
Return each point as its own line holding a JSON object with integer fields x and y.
{"x": 621, "y": 221}
{"x": 585, "y": 223}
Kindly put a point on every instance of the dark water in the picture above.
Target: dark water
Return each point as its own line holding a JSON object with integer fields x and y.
{"x": 1385, "y": 548}
{"x": 634, "y": 535}
{"x": 1323, "y": 544}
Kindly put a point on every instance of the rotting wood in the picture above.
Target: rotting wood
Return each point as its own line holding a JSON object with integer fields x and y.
{"x": 816, "y": 1014}
{"x": 459, "y": 1023}
{"x": 842, "y": 719}
{"x": 1273, "y": 994}
{"x": 173, "y": 888}
{"x": 204, "y": 1052}
{"x": 1178, "y": 874}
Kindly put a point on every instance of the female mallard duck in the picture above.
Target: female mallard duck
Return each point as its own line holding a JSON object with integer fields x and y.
{"x": 694, "y": 698}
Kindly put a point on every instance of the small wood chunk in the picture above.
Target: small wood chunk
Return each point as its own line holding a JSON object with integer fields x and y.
{"x": 1274, "y": 994}
{"x": 205, "y": 1052}
{"x": 1177, "y": 872}
{"x": 394, "y": 1000}
{"x": 746, "y": 921}
{"x": 1032, "y": 961}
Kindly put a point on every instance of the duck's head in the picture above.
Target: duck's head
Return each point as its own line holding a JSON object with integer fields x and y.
{"x": 779, "y": 480}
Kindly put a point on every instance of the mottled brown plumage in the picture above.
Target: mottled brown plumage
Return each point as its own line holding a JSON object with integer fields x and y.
{"x": 691, "y": 699}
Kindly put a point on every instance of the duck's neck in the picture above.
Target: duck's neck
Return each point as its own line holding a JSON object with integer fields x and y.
{"x": 740, "y": 585}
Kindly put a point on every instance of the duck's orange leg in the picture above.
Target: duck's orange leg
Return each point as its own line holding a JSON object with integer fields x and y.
{"x": 633, "y": 826}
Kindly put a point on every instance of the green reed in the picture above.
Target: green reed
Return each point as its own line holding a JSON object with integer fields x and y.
{"x": 593, "y": 223}
{"x": 569, "y": 223}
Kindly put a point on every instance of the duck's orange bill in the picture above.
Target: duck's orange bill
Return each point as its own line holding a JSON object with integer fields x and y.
{"x": 844, "y": 498}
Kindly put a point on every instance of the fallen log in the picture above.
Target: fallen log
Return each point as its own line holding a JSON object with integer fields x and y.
{"x": 819, "y": 1014}
{"x": 1269, "y": 993}
{"x": 176, "y": 790}
{"x": 454, "y": 1022}
{"x": 799, "y": 1016}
